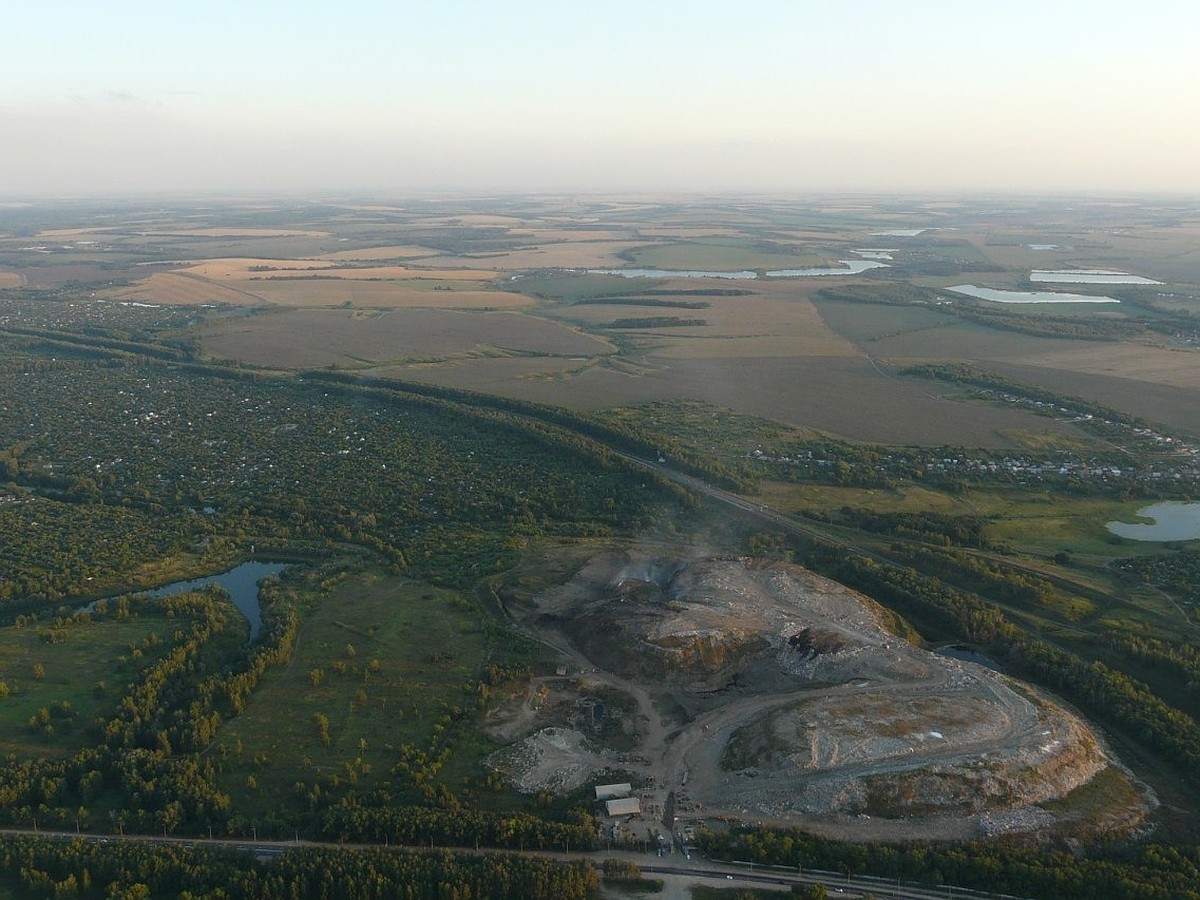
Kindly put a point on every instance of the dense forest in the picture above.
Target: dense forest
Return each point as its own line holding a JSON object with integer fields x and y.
{"x": 138, "y": 871}
{"x": 154, "y": 457}
{"x": 1152, "y": 872}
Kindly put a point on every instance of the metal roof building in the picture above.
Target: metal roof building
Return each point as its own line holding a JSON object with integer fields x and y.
{"x": 612, "y": 791}
{"x": 625, "y": 806}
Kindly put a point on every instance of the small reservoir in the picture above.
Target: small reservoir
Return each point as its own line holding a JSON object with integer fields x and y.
{"x": 744, "y": 275}
{"x": 1171, "y": 521}
{"x": 844, "y": 267}
{"x": 1087, "y": 276}
{"x": 240, "y": 582}
{"x": 998, "y": 296}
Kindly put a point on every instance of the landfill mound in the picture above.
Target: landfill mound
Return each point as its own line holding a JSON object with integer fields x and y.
{"x": 758, "y": 690}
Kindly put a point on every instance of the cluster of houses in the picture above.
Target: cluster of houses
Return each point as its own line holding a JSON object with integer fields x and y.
{"x": 1161, "y": 459}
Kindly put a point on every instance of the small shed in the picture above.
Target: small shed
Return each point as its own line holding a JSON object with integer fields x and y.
{"x": 624, "y": 806}
{"x": 612, "y": 791}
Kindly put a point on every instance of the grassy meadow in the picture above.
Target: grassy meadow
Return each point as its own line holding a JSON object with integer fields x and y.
{"x": 382, "y": 663}
{"x": 61, "y": 674}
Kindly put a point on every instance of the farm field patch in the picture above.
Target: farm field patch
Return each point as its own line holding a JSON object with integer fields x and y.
{"x": 719, "y": 256}
{"x": 1158, "y": 365}
{"x": 172, "y": 288}
{"x": 580, "y": 234}
{"x": 838, "y": 395}
{"x": 401, "y": 251}
{"x": 1174, "y": 405}
{"x": 470, "y": 372}
{"x": 562, "y": 255}
{"x": 315, "y": 338}
{"x": 261, "y": 269}
{"x": 382, "y": 294}
{"x": 777, "y": 319}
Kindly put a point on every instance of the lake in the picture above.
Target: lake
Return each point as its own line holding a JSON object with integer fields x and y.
{"x": 1172, "y": 521}
{"x": 1087, "y": 276}
{"x": 844, "y": 267}
{"x": 240, "y": 582}
{"x": 999, "y": 296}
{"x": 744, "y": 275}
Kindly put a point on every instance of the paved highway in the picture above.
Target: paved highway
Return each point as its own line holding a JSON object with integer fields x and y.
{"x": 856, "y": 886}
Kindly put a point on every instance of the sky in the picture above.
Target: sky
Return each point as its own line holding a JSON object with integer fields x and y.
{"x": 258, "y": 96}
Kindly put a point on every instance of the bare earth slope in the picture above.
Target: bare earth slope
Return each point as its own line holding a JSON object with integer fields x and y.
{"x": 761, "y": 691}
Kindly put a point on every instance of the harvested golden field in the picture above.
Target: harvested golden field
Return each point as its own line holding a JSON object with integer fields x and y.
{"x": 383, "y": 294}
{"x": 11, "y": 279}
{"x": 245, "y": 267}
{"x": 176, "y": 289}
{"x": 312, "y": 338}
{"x": 267, "y": 269}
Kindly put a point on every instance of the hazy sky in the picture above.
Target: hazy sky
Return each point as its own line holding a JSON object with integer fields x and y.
{"x": 102, "y": 96}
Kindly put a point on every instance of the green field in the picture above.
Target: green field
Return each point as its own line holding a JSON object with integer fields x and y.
{"x": 720, "y": 256}
{"x": 59, "y": 679}
{"x": 389, "y": 662}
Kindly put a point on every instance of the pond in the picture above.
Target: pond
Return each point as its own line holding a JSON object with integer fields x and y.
{"x": 844, "y": 267}
{"x": 744, "y": 275}
{"x": 1087, "y": 276}
{"x": 1174, "y": 521}
{"x": 240, "y": 582}
{"x": 999, "y": 296}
